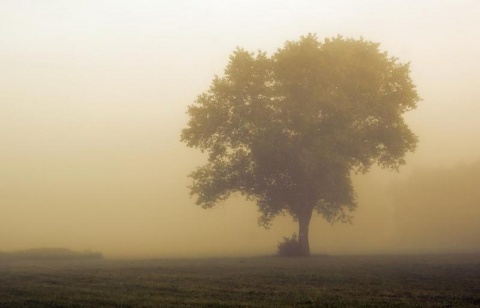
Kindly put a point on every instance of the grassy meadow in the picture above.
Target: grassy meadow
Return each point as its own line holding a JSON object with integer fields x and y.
{"x": 409, "y": 280}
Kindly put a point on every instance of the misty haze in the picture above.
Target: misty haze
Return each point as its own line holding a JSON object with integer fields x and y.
{"x": 118, "y": 120}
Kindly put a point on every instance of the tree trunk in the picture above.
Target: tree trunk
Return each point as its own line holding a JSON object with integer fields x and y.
{"x": 303, "y": 223}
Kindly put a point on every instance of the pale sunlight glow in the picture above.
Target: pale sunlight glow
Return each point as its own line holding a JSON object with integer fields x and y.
{"x": 93, "y": 96}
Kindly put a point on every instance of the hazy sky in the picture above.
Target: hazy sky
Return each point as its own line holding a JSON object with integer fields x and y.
{"x": 93, "y": 96}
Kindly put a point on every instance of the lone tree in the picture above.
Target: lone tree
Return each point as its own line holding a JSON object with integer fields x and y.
{"x": 287, "y": 130}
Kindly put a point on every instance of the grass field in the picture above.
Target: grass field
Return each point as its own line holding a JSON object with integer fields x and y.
{"x": 419, "y": 280}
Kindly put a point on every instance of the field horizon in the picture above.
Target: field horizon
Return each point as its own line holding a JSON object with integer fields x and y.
{"x": 261, "y": 281}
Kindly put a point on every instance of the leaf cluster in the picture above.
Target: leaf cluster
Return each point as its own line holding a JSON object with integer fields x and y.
{"x": 287, "y": 130}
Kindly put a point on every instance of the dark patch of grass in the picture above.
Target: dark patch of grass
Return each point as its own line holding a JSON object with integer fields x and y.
{"x": 435, "y": 281}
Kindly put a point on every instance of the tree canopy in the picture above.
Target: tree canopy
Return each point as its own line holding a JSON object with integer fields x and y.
{"x": 287, "y": 130}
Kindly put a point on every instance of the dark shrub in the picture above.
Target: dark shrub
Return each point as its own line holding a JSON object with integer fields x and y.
{"x": 289, "y": 247}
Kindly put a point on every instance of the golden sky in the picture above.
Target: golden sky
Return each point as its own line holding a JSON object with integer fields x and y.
{"x": 93, "y": 96}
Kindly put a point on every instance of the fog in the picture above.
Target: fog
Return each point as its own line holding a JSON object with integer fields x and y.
{"x": 93, "y": 96}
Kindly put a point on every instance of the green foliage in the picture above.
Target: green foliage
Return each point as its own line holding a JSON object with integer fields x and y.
{"x": 287, "y": 130}
{"x": 289, "y": 247}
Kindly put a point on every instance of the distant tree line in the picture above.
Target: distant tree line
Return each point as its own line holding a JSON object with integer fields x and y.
{"x": 49, "y": 254}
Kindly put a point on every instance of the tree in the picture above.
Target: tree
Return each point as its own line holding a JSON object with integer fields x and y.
{"x": 287, "y": 130}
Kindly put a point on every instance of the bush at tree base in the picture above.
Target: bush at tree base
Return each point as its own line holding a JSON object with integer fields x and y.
{"x": 289, "y": 247}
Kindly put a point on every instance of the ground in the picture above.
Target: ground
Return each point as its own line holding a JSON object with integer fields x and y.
{"x": 408, "y": 280}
